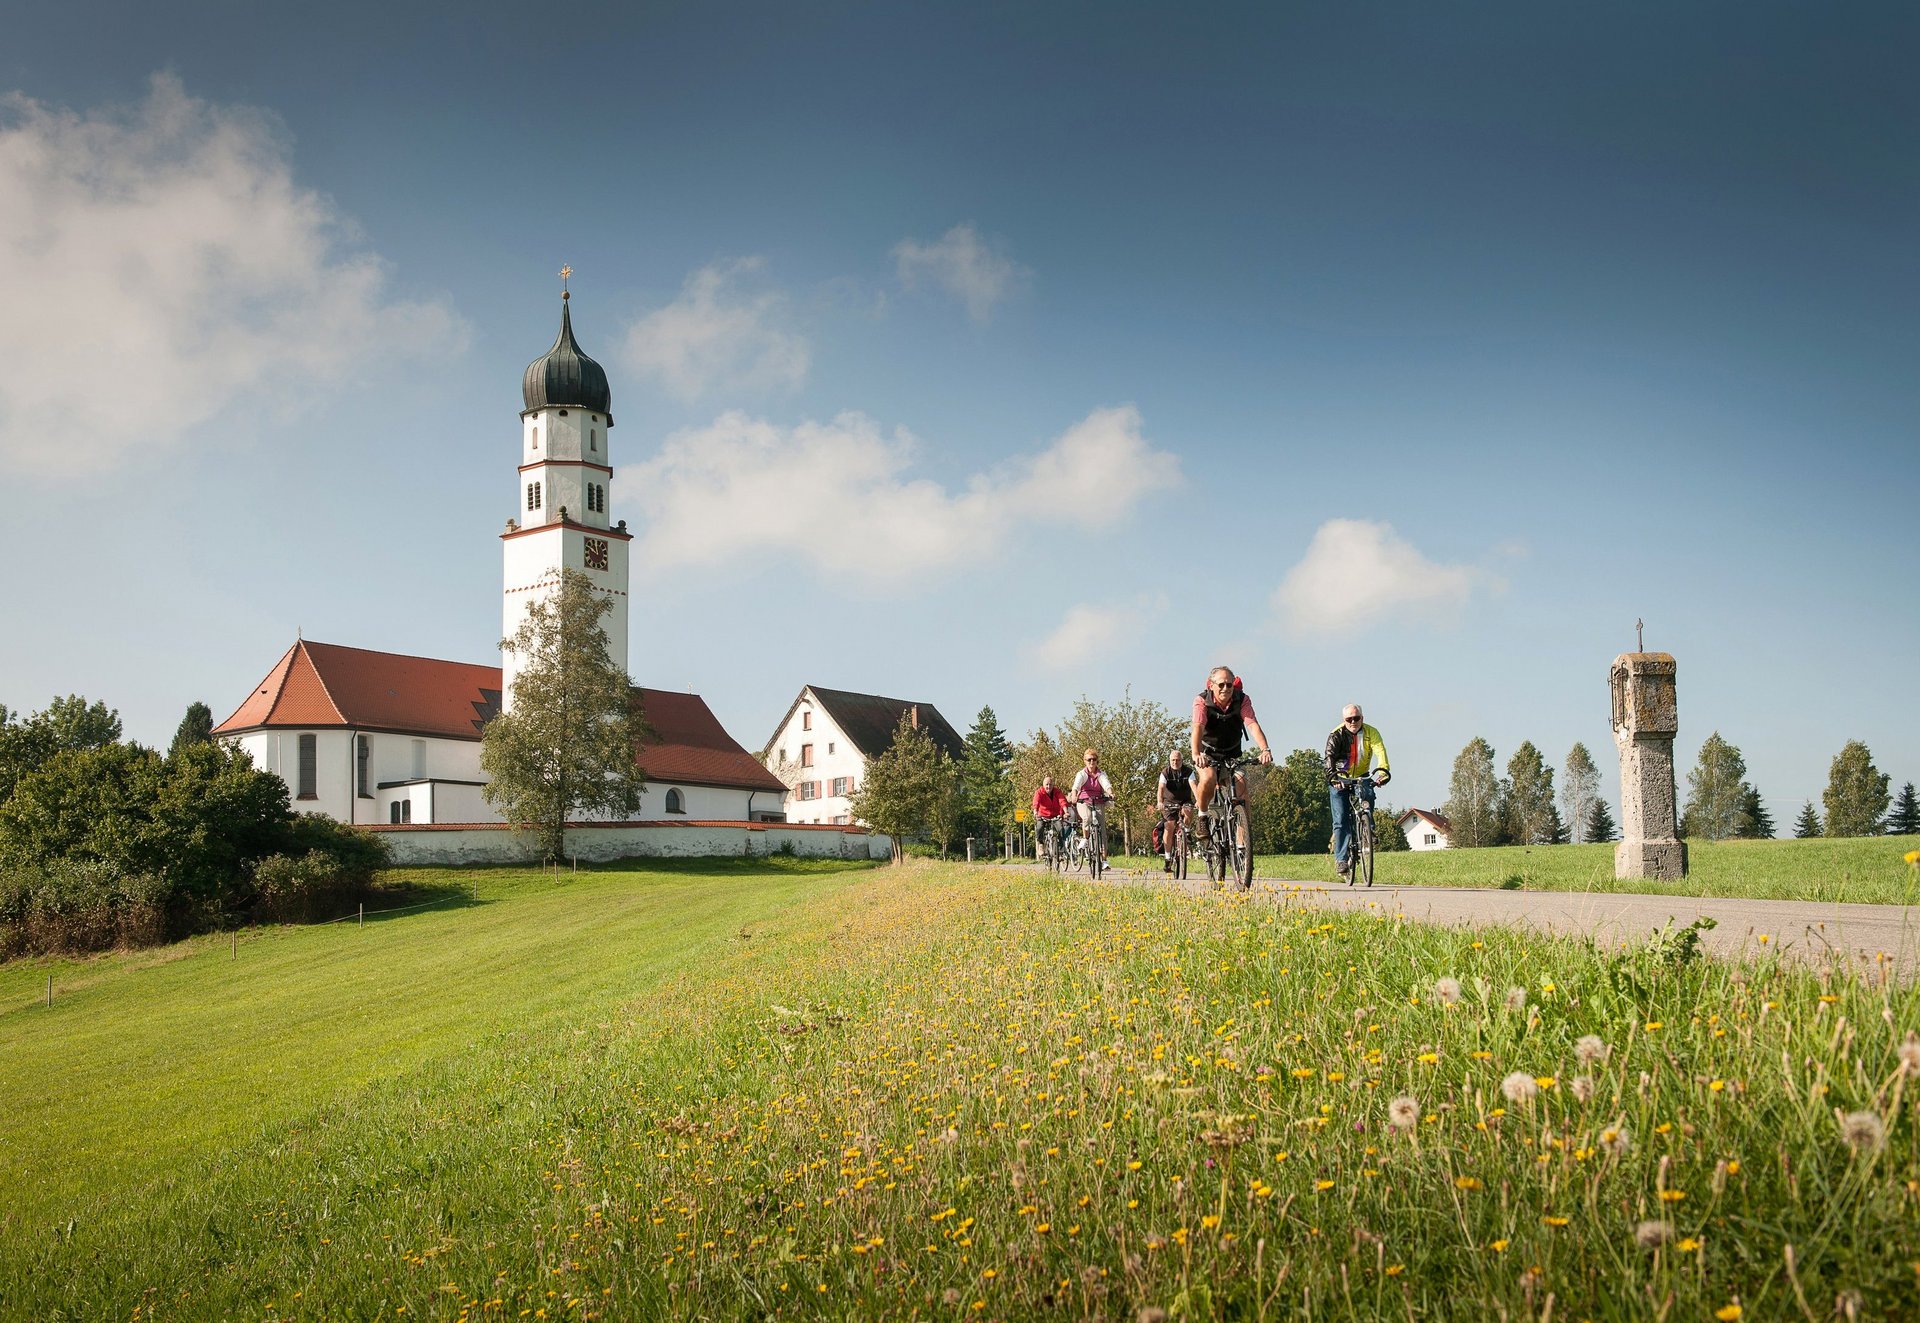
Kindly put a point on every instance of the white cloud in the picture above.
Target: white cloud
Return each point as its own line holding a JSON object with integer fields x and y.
{"x": 719, "y": 334}
{"x": 158, "y": 262}
{"x": 1356, "y": 571}
{"x": 1087, "y": 631}
{"x": 840, "y": 496}
{"x": 961, "y": 264}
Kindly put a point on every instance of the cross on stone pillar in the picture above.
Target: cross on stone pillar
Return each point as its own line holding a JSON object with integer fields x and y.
{"x": 1646, "y": 717}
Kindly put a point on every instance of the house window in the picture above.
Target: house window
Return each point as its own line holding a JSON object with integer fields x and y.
{"x": 841, "y": 820}
{"x": 593, "y": 439}
{"x": 806, "y": 721}
{"x": 536, "y": 436}
{"x": 393, "y": 813}
{"x": 809, "y": 790}
{"x": 533, "y": 496}
{"x": 309, "y": 767}
{"x": 419, "y": 759}
{"x": 400, "y": 811}
{"x": 676, "y": 802}
{"x": 362, "y": 755}
{"x": 1432, "y": 839}
{"x": 841, "y": 784}
{"x": 806, "y": 755}
{"x": 829, "y": 746}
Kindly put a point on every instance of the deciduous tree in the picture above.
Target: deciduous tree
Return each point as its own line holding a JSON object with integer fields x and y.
{"x": 1856, "y": 799}
{"x": 910, "y": 791}
{"x": 569, "y": 746}
{"x": 1473, "y": 799}
{"x": 1716, "y": 792}
{"x": 1289, "y": 808}
{"x": 1133, "y": 739}
{"x": 1579, "y": 790}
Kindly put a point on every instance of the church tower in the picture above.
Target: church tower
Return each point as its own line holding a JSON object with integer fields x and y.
{"x": 566, "y": 466}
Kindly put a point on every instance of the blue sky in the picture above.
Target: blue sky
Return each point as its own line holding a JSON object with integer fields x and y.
{"x": 1000, "y": 354}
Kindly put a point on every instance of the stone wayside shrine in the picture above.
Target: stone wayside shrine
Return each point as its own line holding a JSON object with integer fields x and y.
{"x": 1646, "y": 717}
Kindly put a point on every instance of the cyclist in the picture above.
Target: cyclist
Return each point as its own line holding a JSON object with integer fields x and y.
{"x": 1354, "y": 749}
{"x": 1049, "y": 811}
{"x": 1222, "y": 717}
{"x": 1175, "y": 795}
{"x": 1092, "y": 788}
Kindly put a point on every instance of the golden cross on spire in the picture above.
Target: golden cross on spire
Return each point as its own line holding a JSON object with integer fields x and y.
{"x": 565, "y": 272}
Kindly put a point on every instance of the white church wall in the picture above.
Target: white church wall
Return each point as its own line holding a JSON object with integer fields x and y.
{"x": 706, "y": 802}
{"x": 419, "y": 846}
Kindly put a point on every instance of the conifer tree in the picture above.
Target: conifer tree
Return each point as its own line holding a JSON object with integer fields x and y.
{"x": 985, "y": 785}
{"x": 1808, "y": 825}
{"x": 195, "y": 728}
{"x": 1600, "y": 824}
{"x": 1905, "y": 818}
{"x": 1756, "y": 824}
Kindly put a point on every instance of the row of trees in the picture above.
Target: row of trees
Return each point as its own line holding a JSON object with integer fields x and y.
{"x": 106, "y": 842}
{"x": 1522, "y": 807}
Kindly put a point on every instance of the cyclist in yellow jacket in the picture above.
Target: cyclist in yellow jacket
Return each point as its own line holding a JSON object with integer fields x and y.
{"x": 1354, "y": 750}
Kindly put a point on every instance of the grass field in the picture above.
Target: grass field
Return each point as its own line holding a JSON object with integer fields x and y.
{"x": 941, "y": 1092}
{"x": 1871, "y": 869}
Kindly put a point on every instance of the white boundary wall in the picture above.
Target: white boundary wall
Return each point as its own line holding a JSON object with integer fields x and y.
{"x": 603, "y": 842}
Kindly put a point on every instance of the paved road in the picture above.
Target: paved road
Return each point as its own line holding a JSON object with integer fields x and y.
{"x": 1865, "y": 934}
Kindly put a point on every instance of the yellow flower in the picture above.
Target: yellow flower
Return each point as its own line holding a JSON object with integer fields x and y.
{"x": 1913, "y": 858}
{"x": 1395, "y": 1269}
{"x": 1430, "y": 1058}
{"x": 1672, "y": 1196}
{"x": 1553, "y": 1221}
{"x": 1323, "y": 1185}
{"x": 1687, "y": 1246}
{"x": 1654, "y": 1025}
{"x": 1210, "y": 1221}
{"x": 1499, "y": 1247}
{"x": 1466, "y": 1182}
{"x": 1727, "y": 1313}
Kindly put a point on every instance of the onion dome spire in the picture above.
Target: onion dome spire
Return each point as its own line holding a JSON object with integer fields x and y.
{"x": 564, "y": 375}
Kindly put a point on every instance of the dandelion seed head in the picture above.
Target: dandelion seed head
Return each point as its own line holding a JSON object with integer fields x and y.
{"x": 1447, "y": 990}
{"x": 1403, "y": 1113}
{"x": 1153, "y": 1314}
{"x": 1590, "y": 1049}
{"x": 1519, "y": 1087}
{"x": 1652, "y": 1234}
{"x": 1582, "y": 1087}
{"x": 1863, "y": 1131}
{"x": 1616, "y": 1140}
{"x": 1516, "y": 998}
{"x": 1910, "y": 1053}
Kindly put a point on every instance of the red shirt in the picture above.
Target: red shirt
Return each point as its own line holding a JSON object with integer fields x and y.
{"x": 1049, "y": 803}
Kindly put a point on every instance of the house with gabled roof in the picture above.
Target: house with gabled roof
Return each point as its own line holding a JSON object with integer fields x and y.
{"x": 821, "y": 748}
{"x": 1425, "y": 829}
{"x": 382, "y": 738}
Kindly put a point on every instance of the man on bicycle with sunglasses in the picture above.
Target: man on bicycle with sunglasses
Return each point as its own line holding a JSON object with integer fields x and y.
{"x": 1355, "y": 750}
{"x": 1175, "y": 794}
{"x": 1222, "y": 718}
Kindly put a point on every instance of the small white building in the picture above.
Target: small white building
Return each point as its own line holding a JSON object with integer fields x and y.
{"x": 1424, "y": 829}
{"x": 821, "y": 748}
{"x": 384, "y": 739}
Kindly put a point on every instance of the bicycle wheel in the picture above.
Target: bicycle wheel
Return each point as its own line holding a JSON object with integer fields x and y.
{"x": 1096, "y": 842}
{"x": 1363, "y": 845}
{"x": 1240, "y": 827}
{"x": 1179, "y": 852}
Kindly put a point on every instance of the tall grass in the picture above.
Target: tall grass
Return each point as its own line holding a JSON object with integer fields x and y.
{"x": 1869, "y": 869}
{"x": 937, "y": 1092}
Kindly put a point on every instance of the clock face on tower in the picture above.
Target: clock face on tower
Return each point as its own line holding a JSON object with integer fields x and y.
{"x": 595, "y": 553}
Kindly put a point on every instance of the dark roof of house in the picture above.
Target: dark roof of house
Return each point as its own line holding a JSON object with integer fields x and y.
{"x": 318, "y": 686}
{"x": 870, "y": 720}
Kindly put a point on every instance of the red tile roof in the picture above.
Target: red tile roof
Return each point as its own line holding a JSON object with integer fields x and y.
{"x": 1433, "y": 818}
{"x": 327, "y": 686}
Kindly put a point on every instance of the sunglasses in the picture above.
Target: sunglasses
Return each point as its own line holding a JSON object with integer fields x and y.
{"x": 1351, "y": 721}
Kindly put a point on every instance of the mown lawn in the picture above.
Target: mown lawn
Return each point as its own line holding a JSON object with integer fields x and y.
{"x": 1870, "y": 869}
{"x": 941, "y": 1092}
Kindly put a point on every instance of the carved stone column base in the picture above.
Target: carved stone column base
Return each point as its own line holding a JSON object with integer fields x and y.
{"x": 1660, "y": 859}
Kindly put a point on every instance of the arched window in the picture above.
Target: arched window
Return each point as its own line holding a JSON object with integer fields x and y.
{"x": 309, "y": 767}
{"x": 676, "y": 802}
{"x": 593, "y": 439}
{"x": 536, "y": 436}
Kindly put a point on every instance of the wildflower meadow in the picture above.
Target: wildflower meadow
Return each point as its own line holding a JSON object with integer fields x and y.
{"x": 946, "y": 1093}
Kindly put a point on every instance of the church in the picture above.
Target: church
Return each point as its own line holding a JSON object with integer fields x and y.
{"x": 385, "y": 739}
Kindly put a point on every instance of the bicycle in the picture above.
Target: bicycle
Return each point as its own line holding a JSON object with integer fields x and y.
{"x": 1362, "y": 811}
{"x": 1053, "y": 847}
{"x": 1177, "y": 845}
{"x": 1228, "y": 843}
{"x": 1095, "y": 843}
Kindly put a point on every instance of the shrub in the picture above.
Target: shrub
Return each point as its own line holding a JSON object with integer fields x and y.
{"x": 74, "y": 907}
